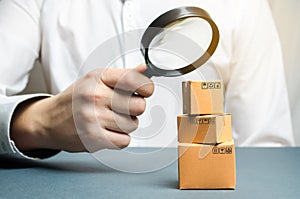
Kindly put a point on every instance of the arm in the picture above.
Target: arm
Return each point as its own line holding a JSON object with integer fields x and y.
{"x": 98, "y": 111}
{"x": 20, "y": 41}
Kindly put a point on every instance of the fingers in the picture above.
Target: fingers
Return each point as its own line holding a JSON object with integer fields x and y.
{"x": 117, "y": 140}
{"x": 128, "y": 80}
{"x": 108, "y": 140}
{"x": 117, "y": 127}
{"x": 117, "y": 100}
{"x": 120, "y": 101}
{"x": 125, "y": 103}
{"x": 119, "y": 122}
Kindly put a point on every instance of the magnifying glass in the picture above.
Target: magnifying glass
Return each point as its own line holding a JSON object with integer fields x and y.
{"x": 179, "y": 41}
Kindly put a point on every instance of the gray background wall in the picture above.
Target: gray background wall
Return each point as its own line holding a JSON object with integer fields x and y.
{"x": 286, "y": 14}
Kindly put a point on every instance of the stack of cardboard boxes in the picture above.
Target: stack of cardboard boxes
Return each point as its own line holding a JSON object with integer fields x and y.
{"x": 206, "y": 149}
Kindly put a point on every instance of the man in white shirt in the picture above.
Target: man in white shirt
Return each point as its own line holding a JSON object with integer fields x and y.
{"x": 63, "y": 33}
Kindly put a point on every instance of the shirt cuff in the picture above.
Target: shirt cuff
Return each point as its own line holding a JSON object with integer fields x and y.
{"x": 7, "y": 146}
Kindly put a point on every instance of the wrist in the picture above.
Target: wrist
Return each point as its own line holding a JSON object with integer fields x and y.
{"x": 28, "y": 125}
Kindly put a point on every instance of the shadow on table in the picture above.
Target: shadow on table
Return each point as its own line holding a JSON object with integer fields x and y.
{"x": 12, "y": 163}
{"x": 88, "y": 166}
{"x": 170, "y": 184}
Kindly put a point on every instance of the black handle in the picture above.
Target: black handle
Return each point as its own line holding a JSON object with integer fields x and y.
{"x": 148, "y": 73}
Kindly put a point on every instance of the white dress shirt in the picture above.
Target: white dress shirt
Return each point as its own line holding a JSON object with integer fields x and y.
{"x": 63, "y": 33}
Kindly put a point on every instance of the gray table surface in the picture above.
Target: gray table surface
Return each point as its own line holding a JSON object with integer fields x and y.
{"x": 261, "y": 173}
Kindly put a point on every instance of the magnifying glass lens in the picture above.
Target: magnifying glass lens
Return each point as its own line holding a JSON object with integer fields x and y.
{"x": 180, "y": 43}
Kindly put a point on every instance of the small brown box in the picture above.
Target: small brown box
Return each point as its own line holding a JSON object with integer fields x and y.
{"x": 205, "y": 129}
{"x": 207, "y": 166}
{"x": 202, "y": 97}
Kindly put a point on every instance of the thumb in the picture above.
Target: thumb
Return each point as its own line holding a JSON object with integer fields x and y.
{"x": 141, "y": 68}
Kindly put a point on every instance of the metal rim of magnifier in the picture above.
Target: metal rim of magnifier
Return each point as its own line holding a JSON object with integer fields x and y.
{"x": 165, "y": 19}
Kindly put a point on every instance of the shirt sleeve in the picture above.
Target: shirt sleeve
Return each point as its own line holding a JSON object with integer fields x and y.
{"x": 256, "y": 93}
{"x": 20, "y": 43}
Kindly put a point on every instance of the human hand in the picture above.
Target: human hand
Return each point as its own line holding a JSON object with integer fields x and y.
{"x": 98, "y": 111}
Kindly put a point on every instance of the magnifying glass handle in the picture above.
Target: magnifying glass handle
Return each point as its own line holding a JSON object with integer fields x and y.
{"x": 148, "y": 73}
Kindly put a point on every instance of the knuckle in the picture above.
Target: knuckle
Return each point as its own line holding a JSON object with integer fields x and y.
{"x": 101, "y": 96}
{"x": 90, "y": 74}
{"x": 87, "y": 96}
{"x": 105, "y": 75}
{"x": 84, "y": 94}
{"x": 94, "y": 74}
{"x": 87, "y": 117}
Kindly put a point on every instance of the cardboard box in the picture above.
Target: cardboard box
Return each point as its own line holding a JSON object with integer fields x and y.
{"x": 205, "y": 129}
{"x": 201, "y": 97}
{"x": 207, "y": 166}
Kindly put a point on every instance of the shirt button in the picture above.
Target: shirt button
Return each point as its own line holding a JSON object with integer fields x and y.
{"x": 128, "y": 3}
{"x": 130, "y": 28}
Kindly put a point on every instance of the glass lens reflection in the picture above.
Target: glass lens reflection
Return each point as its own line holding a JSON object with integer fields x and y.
{"x": 180, "y": 43}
